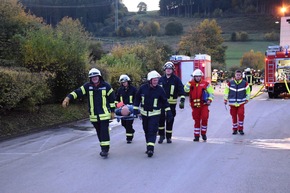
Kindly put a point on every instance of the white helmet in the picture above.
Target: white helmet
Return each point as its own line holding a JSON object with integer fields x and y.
{"x": 153, "y": 74}
{"x": 124, "y": 78}
{"x": 168, "y": 65}
{"x": 197, "y": 72}
{"x": 247, "y": 70}
{"x": 94, "y": 72}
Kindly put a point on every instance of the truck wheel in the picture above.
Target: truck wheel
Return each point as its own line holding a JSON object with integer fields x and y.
{"x": 271, "y": 95}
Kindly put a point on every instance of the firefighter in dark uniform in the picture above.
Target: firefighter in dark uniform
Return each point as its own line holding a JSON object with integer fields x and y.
{"x": 249, "y": 78}
{"x": 101, "y": 99}
{"x": 173, "y": 88}
{"x": 126, "y": 94}
{"x": 152, "y": 98}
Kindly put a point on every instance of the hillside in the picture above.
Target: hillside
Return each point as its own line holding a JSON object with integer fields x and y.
{"x": 256, "y": 26}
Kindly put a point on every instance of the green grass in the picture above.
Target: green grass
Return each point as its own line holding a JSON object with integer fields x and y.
{"x": 236, "y": 50}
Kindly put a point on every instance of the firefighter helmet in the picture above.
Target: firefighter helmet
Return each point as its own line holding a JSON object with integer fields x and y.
{"x": 197, "y": 72}
{"x": 168, "y": 65}
{"x": 124, "y": 78}
{"x": 247, "y": 70}
{"x": 153, "y": 74}
{"x": 94, "y": 72}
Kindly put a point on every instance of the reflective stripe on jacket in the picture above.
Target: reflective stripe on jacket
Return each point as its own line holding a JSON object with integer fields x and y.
{"x": 173, "y": 88}
{"x": 195, "y": 91}
{"x": 151, "y": 100}
{"x": 237, "y": 92}
{"x": 101, "y": 100}
{"x": 126, "y": 96}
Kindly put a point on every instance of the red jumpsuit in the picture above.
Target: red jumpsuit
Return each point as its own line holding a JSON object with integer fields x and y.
{"x": 199, "y": 105}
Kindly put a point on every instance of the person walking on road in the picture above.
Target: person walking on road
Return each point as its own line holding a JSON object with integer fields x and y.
{"x": 126, "y": 94}
{"x": 173, "y": 88}
{"x": 101, "y": 99}
{"x": 152, "y": 98}
{"x": 201, "y": 94}
{"x": 237, "y": 94}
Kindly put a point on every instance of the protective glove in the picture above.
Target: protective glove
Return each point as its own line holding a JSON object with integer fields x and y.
{"x": 112, "y": 115}
{"x": 181, "y": 105}
{"x": 226, "y": 102}
{"x": 169, "y": 116}
{"x": 208, "y": 102}
{"x": 65, "y": 102}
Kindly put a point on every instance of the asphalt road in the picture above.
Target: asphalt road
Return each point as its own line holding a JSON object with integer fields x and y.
{"x": 66, "y": 159}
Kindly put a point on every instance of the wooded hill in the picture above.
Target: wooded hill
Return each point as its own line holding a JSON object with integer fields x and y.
{"x": 96, "y": 15}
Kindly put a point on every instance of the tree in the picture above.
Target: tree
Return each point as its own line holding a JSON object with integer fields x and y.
{"x": 14, "y": 23}
{"x": 173, "y": 28}
{"x": 62, "y": 51}
{"x": 205, "y": 38}
{"x": 142, "y": 7}
{"x": 253, "y": 60}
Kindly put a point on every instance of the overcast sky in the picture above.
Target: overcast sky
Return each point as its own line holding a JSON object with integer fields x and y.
{"x": 132, "y": 4}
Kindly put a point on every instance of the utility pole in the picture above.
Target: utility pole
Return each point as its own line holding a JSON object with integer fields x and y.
{"x": 116, "y": 14}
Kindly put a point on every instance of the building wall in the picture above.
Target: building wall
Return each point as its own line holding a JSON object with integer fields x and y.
{"x": 284, "y": 32}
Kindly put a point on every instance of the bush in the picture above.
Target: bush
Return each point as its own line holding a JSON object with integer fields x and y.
{"x": 21, "y": 89}
{"x": 173, "y": 28}
{"x": 271, "y": 36}
{"x": 150, "y": 29}
{"x": 244, "y": 36}
{"x": 240, "y": 36}
{"x": 234, "y": 36}
{"x": 217, "y": 13}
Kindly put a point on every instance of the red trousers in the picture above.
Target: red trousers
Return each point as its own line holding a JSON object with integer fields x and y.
{"x": 200, "y": 116}
{"x": 238, "y": 116}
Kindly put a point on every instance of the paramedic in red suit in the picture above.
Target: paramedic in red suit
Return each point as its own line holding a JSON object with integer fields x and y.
{"x": 200, "y": 97}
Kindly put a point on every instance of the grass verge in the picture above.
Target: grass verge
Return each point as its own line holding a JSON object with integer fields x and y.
{"x": 21, "y": 123}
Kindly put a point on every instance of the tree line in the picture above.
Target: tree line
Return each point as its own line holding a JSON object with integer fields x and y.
{"x": 97, "y": 14}
{"x": 189, "y": 8}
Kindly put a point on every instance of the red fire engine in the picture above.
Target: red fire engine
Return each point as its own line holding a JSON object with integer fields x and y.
{"x": 277, "y": 71}
{"x": 185, "y": 65}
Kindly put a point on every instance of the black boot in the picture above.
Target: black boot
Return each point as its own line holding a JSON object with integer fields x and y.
{"x": 241, "y": 132}
{"x": 235, "y": 132}
{"x": 196, "y": 138}
{"x": 150, "y": 153}
{"x": 169, "y": 140}
{"x": 104, "y": 154}
{"x": 204, "y": 137}
{"x": 161, "y": 139}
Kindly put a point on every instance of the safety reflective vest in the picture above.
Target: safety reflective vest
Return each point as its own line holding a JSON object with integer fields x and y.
{"x": 237, "y": 92}
{"x": 197, "y": 92}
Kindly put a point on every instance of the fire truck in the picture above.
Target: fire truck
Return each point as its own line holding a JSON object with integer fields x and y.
{"x": 185, "y": 65}
{"x": 277, "y": 71}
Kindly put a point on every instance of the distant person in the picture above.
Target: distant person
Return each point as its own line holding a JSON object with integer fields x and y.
{"x": 126, "y": 94}
{"x": 101, "y": 99}
{"x": 237, "y": 94}
{"x": 249, "y": 78}
{"x": 152, "y": 98}
{"x": 214, "y": 77}
{"x": 173, "y": 88}
{"x": 201, "y": 95}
